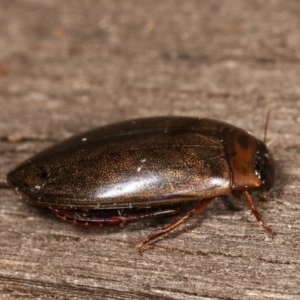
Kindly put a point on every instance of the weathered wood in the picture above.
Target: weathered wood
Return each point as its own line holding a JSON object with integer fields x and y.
{"x": 67, "y": 66}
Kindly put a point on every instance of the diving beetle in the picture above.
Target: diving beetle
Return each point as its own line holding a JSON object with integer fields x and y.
{"x": 146, "y": 168}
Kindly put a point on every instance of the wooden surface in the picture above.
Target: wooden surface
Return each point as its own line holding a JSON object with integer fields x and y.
{"x": 68, "y": 66}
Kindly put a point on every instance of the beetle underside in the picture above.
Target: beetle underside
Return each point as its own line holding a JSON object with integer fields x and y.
{"x": 103, "y": 218}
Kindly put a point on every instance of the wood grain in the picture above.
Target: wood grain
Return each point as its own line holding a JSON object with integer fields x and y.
{"x": 74, "y": 65}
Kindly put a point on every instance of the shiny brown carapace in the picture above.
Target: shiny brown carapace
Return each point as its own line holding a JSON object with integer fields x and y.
{"x": 146, "y": 168}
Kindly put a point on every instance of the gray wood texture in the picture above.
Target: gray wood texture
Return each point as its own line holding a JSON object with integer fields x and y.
{"x": 68, "y": 66}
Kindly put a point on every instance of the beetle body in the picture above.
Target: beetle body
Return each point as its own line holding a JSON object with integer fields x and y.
{"x": 143, "y": 168}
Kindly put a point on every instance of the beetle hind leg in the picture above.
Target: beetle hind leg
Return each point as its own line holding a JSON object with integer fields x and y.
{"x": 86, "y": 219}
{"x": 257, "y": 215}
{"x": 196, "y": 210}
{"x": 111, "y": 217}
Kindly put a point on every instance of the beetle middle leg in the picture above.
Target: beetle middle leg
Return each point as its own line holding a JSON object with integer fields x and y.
{"x": 197, "y": 209}
{"x": 257, "y": 215}
{"x": 102, "y": 218}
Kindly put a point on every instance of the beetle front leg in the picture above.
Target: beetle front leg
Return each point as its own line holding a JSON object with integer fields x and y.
{"x": 257, "y": 215}
{"x": 196, "y": 210}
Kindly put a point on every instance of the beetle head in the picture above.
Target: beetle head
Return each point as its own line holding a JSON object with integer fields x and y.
{"x": 264, "y": 166}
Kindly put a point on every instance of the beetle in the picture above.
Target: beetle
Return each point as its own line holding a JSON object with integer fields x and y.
{"x": 146, "y": 168}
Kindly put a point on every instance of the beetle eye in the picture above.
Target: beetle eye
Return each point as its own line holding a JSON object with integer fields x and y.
{"x": 264, "y": 167}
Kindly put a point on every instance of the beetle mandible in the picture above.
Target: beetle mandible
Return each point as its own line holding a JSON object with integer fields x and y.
{"x": 146, "y": 168}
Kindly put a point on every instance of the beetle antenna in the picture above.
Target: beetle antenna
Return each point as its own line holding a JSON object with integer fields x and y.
{"x": 266, "y": 125}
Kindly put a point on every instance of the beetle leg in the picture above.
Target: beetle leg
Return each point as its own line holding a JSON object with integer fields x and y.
{"x": 97, "y": 218}
{"x": 197, "y": 209}
{"x": 86, "y": 219}
{"x": 258, "y": 217}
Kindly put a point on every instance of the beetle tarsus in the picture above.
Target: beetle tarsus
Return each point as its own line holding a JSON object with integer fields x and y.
{"x": 196, "y": 210}
{"x": 257, "y": 215}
